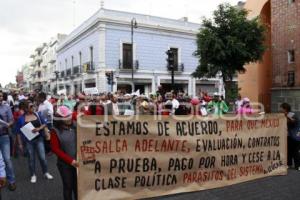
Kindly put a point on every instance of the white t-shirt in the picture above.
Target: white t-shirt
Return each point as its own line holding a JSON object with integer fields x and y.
{"x": 175, "y": 105}
{"x": 238, "y": 104}
{"x": 46, "y": 109}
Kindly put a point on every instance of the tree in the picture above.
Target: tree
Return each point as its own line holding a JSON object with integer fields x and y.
{"x": 227, "y": 43}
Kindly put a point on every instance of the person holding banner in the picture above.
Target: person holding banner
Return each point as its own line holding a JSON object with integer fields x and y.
{"x": 293, "y": 125}
{"x": 63, "y": 144}
{"x": 36, "y": 144}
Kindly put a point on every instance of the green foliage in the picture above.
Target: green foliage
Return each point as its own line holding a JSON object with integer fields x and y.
{"x": 227, "y": 42}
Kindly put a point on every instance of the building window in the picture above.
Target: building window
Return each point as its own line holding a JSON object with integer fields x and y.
{"x": 127, "y": 56}
{"x": 291, "y": 56}
{"x": 291, "y": 1}
{"x": 91, "y": 54}
{"x": 72, "y": 61}
{"x": 66, "y": 63}
{"x": 291, "y": 79}
{"x": 80, "y": 61}
{"x": 80, "y": 58}
{"x": 175, "y": 52}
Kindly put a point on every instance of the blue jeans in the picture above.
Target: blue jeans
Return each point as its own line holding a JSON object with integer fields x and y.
{"x": 5, "y": 149}
{"x": 36, "y": 145}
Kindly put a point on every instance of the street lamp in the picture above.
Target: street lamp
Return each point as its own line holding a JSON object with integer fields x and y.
{"x": 56, "y": 77}
{"x": 133, "y": 26}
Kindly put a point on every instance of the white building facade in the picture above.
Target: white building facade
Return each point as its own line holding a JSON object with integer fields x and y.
{"x": 41, "y": 71}
{"x": 103, "y": 44}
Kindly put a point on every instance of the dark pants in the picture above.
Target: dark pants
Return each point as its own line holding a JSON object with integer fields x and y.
{"x": 293, "y": 152}
{"x": 69, "y": 179}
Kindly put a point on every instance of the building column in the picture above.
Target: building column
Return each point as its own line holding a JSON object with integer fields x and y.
{"x": 194, "y": 92}
{"x": 115, "y": 87}
{"x": 102, "y": 32}
{"x": 153, "y": 86}
{"x": 72, "y": 90}
{"x": 190, "y": 87}
{"x": 82, "y": 83}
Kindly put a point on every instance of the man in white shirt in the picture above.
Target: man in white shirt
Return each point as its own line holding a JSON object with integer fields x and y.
{"x": 46, "y": 109}
{"x": 175, "y": 104}
{"x": 238, "y": 103}
{"x": 21, "y": 96}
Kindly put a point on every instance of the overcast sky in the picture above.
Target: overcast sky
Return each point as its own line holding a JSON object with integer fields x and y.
{"x": 25, "y": 24}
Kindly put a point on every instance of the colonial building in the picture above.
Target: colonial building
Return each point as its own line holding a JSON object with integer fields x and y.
{"x": 285, "y": 19}
{"x": 27, "y": 71}
{"x": 256, "y": 83}
{"x": 103, "y": 43}
{"x": 20, "y": 79}
{"x": 275, "y": 79}
{"x": 43, "y": 66}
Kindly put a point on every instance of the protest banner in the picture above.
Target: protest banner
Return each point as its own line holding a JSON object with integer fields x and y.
{"x": 130, "y": 158}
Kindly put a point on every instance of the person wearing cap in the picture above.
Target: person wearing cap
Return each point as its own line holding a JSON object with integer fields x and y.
{"x": 217, "y": 105}
{"x": 63, "y": 144}
{"x": 36, "y": 145}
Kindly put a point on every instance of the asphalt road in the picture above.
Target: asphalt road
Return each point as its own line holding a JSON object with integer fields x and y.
{"x": 273, "y": 188}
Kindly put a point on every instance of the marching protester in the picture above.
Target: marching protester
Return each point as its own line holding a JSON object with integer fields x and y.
{"x": 36, "y": 144}
{"x": 46, "y": 110}
{"x": 6, "y": 121}
{"x": 245, "y": 107}
{"x": 2, "y": 174}
{"x": 63, "y": 144}
{"x": 293, "y": 136}
{"x": 238, "y": 103}
{"x": 217, "y": 106}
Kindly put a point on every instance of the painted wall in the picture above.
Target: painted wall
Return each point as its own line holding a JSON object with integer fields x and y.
{"x": 82, "y": 45}
{"x": 256, "y": 83}
{"x": 150, "y": 48}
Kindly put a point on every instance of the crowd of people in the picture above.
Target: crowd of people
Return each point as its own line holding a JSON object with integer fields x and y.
{"x": 54, "y": 120}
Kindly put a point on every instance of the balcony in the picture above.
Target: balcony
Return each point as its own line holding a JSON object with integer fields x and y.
{"x": 37, "y": 69}
{"x": 88, "y": 67}
{"x": 128, "y": 65}
{"x": 52, "y": 60}
{"x": 38, "y": 58}
{"x": 32, "y": 64}
{"x": 62, "y": 74}
{"x": 44, "y": 64}
{"x": 69, "y": 72}
{"x": 76, "y": 70}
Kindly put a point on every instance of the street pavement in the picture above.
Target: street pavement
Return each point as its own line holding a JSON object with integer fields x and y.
{"x": 273, "y": 188}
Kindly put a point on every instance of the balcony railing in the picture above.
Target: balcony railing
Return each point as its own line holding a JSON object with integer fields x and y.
{"x": 52, "y": 60}
{"x": 62, "y": 74}
{"x": 76, "y": 70}
{"x": 37, "y": 69}
{"x": 123, "y": 66}
{"x": 88, "y": 67}
{"x": 69, "y": 72}
{"x": 38, "y": 58}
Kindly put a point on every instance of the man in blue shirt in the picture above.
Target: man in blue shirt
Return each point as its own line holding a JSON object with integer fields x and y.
{"x": 6, "y": 121}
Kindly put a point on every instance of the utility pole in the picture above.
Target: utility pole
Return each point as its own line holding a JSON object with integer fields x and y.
{"x": 133, "y": 26}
